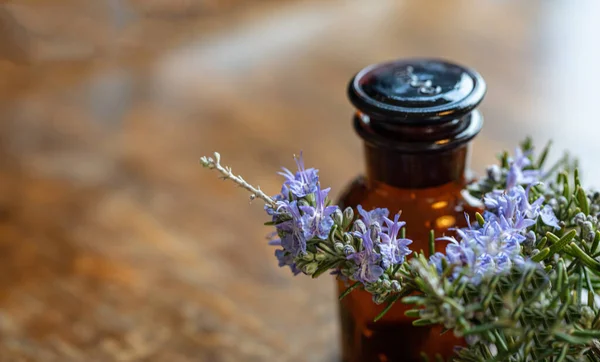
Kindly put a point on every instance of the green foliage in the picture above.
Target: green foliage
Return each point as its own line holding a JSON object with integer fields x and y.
{"x": 527, "y": 315}
{"x": 544, "y": 311}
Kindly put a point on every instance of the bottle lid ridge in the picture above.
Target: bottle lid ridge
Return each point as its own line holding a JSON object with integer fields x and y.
{"x": 416, "y": 91}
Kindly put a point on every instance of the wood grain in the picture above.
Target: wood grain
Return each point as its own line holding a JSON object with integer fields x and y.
{"x": 116, "y": 246}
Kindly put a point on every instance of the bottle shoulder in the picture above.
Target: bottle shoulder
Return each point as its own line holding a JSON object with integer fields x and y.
{"x": 367, "y": 194}
{"x": 436, "y": 208}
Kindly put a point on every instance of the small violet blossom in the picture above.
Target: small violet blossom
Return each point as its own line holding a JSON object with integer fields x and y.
{"x": 292, "y": 231}
{"x": 368, "y": 261}
{"x": 458, "y": 255}
{"x": 393, "y": 250}
{"x": 373, "y": 216}
{"x": 295, "y": 225}
{"x": 517, "y": 175}
{"x": 303, "y": 182}
{"x": 280, "y": 200}
{"x": 491, "y": 248}
{"x": 381, "y": 249}
{"x": 317, "y": 220}
{"x": 495, "y": 246}
{"x": 514, "y": 205}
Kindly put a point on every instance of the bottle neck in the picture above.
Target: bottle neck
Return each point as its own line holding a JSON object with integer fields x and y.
{"x": 414, "y": 170}
{"x": 417, "y": 156}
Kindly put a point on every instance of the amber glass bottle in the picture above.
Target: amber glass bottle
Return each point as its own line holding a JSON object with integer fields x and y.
{"x": 416, "y": 118}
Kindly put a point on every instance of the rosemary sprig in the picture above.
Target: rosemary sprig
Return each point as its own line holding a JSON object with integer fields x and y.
{"x": 215, "y": 163}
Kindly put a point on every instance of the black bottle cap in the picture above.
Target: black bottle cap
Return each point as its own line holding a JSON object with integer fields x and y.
{"x": 416, "y": 91}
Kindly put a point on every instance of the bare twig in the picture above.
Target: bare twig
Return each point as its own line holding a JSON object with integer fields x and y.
{"x": 215, "y": 164}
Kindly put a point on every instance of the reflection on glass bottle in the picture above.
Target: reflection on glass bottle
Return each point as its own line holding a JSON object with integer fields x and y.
{"x": 416, "y": 148}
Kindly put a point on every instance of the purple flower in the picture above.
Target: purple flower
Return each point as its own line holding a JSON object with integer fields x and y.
{"x": 292, "y": 231}
{"x": 279, "y": 199}
{"x": 369, "y": 269}
{"x": 514, "y": 206}
{"x": 495, "y": 246}
{"x": 484, "y": 266}
{"x": 512, "y": 202}
{"x": 505, "y": 261}
{"x": 317, "y": 220}
{"x": 286, "y": 259}
{"x": 521, "y": 158}
{"x": 393, "y": 250}
{"x": 482, "y": 251}
{"x": 273, "y": 240}
{"x": 302, "y": 183}
{"x": 460, "y": 254}
{"x": 386, "y": 250}
{"x": 367, "y": 261}
{"x": 373, "y": 216}
{"x": 496, "y": 235}
{"x": 488, "y": 265}
{"x": 516, "y": 175}
{"x": 548, "y": 217}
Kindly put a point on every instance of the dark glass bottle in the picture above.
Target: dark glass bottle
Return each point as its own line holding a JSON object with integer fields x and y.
{"x": 416, "y": 118}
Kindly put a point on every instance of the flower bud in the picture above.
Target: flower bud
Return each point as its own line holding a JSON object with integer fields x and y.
{"x": 311, "y": 268}
{"x": 395, "y": 286}
{"x": 586, "y": 227}
{"x": 588, "y": 315}
{"x": 386, "y": 284}
{"x": 338, "y": 218}
{"x": 308, "y": 256}
{"x": 562, "y": 201}
{"x": 589, "y": 237}
{"x": 347, "y": 238}
{"x": 427, "y": 313}
{"x": 348, "y": 217}
{"x": 339, "y": 247}
{"x": 471, "y": 340}
{"x": 529, "y": 239}
{"x": 359, "y": 227}
{"x": 531, "y": 236}
{"x": 348, "y": 250}
{"x": 579, "y": 218}
{"x": 494, "y": 173}
{"x": 379, "y": 298}
{"x": 541, "y": 187}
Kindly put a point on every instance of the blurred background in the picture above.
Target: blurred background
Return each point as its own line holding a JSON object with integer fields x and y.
{"x": 116, "y": 246}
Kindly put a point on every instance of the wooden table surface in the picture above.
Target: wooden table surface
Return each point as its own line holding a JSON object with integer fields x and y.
{"x": 116, "y": 246}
